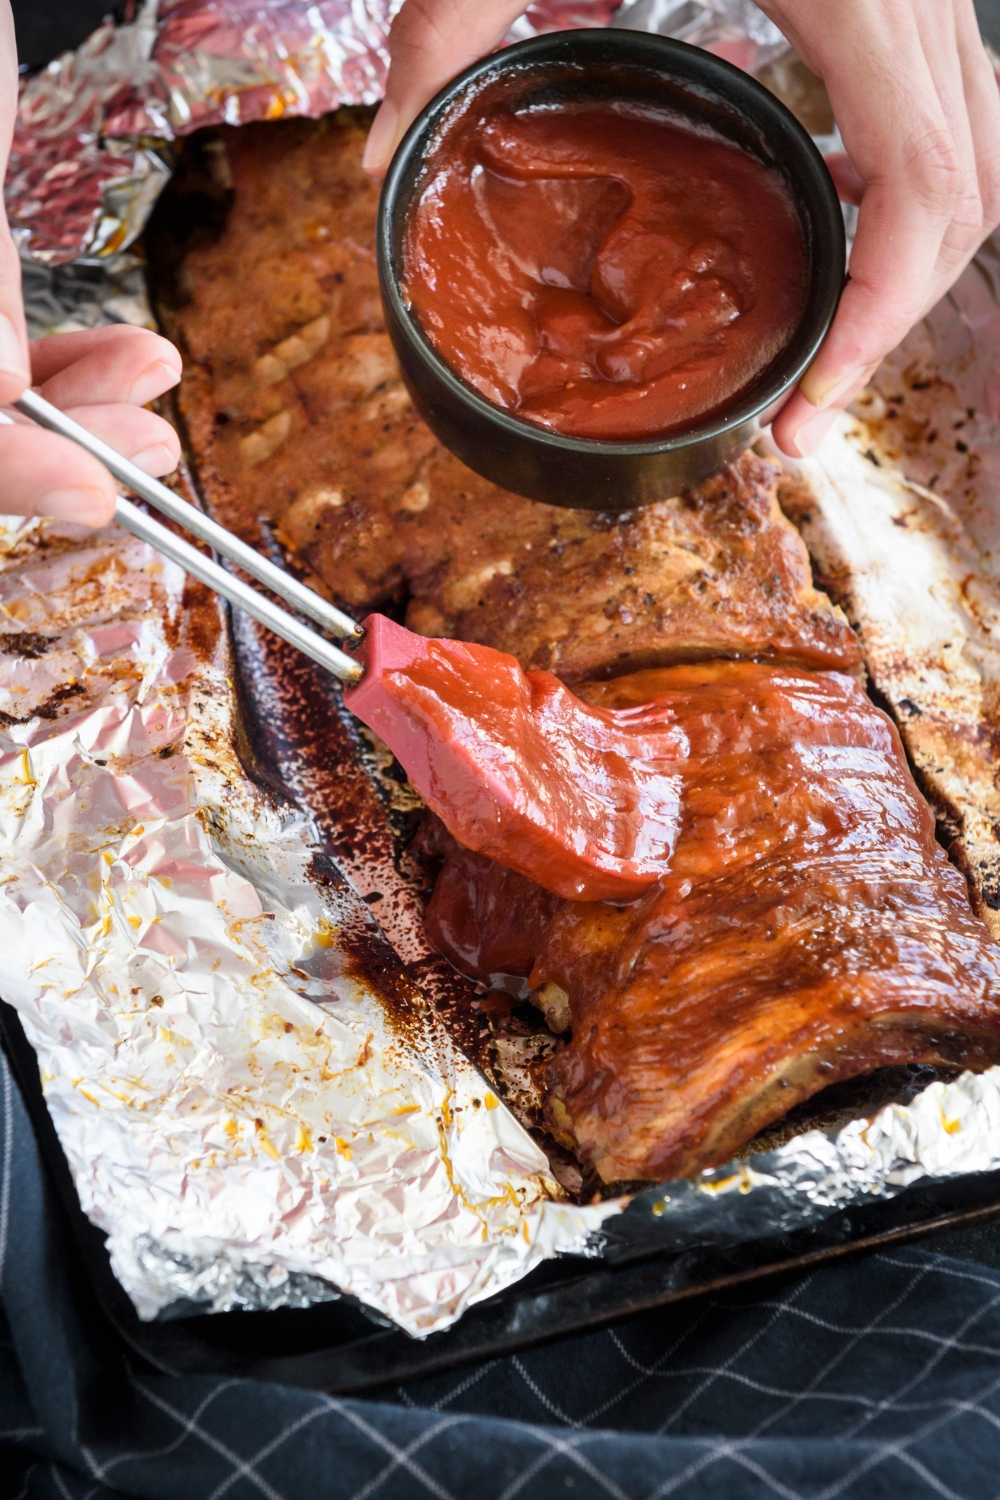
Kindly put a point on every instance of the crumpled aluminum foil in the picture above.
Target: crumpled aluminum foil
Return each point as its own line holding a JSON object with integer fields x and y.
{"x": 90, "y": 153}
{"x": 91, "y": 143}
{"x": 85, "y": 294}
{"x": 246, "y": 1120}
{"x": 159, "y": 933}
{"x": 76, "y": 186}
{"x": 736, "y": 30}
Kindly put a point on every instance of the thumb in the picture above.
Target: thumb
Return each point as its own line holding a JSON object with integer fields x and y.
{"x": 15, "y": 363}
{"x": 431, "y": 41}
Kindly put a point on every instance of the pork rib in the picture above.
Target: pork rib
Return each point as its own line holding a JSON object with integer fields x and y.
{"x": 809, "y": 929}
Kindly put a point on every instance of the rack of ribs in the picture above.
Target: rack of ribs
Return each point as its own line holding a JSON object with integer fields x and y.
{"x": 808, "y": 928}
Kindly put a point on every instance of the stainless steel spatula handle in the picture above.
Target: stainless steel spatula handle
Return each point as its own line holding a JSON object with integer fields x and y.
{"x": 206, "y": 569}
{"x": 304, "y": 599}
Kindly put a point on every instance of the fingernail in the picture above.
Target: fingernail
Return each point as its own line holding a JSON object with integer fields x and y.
{"x": 157, "y": 460}
{"x": 812, "y": 433}
{"x": 89, "y": 507}
{"x": 153, "y": 381}
{"x": 381, "y": 142}
{"x": 822, "y": 393}
{"x": 12, "y": 353}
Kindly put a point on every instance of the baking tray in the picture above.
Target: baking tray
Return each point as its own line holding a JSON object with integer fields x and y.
{"x": 337, "y": 1347}
{"x": 295, "y": 736}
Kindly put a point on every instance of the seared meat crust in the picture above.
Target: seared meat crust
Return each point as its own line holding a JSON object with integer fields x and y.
{"x": 296, "y": 414}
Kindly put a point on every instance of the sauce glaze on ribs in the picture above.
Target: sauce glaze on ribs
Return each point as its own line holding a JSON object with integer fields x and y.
{"x": 296, "y": 414}
{"x": 809, "y": 929}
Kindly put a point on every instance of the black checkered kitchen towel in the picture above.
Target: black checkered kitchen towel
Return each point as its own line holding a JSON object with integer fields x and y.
{"x": 879, "y": 1377}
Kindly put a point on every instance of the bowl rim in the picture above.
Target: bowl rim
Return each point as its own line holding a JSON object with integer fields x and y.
{"x": 763, "y": 395}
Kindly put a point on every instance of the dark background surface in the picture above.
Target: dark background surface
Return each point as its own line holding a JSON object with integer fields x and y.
{"x": 45, "y": 27}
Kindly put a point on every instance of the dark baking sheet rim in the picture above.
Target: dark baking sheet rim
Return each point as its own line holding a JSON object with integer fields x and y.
{"x": 336, "y": 1347}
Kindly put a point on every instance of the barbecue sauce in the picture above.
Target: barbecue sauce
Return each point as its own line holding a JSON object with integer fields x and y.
{"x": 602, "y": 270}
{"x": 807, "y": 928}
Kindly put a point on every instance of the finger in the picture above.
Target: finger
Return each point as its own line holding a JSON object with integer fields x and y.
{"x": 978, "y": 83}
{"x": 14, "y": 364}
{"x": 139, "y": 435}
{"x": 431, "y": 41}
{"x": 894, "y": 262}
{"x": 896, "y": 274}
{"x": 982, "y": 96}
{"x": 104, "y": 367}
{"x": 800, "y": 427}
{"x": 47, "y": 475}
{"x": 51, "y": 355}
{"x": 847, "y": 179}
{"x": 907, "y": 213}
{"x": 939, "y": 39}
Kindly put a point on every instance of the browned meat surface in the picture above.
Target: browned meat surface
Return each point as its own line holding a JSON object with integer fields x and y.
{"x": 919, "y": 576}
{"x": 810, "y": 929}
{"x": 296, "y": 414}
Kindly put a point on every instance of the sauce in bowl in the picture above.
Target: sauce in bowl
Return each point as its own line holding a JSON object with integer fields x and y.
{"x": 604, "y": 270}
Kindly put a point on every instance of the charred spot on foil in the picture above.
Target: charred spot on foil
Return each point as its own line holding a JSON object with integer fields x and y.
{"x": 26, "y": 643}
{"x": 324, "y": 872}
{"x": 50, "y": 708}
{"x": 369, "y": 959}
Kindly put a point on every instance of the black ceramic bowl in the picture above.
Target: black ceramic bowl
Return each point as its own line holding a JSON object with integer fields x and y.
{"x": 600, "y": 65}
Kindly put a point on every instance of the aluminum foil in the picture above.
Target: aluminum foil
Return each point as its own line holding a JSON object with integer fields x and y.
{"x": 243, "y": 1117}
{"x": 736, "y": 30}
{"x": 91, "y": 142}
{"x": 84, "y": 294}
{"x": 241, "y": 1114}
{"x": 76, "y": 186}
{"x": 90, "y": 153}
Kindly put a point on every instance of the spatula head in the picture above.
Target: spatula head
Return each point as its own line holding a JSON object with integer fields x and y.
{"x": 582, "y": 800}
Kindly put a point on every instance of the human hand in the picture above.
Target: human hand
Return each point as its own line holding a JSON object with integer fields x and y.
{"x": 918, "y": 107}
{"x": 102, "y": 378}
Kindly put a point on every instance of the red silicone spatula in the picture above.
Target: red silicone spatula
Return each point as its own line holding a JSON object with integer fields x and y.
{"x": 582, "y": 800}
